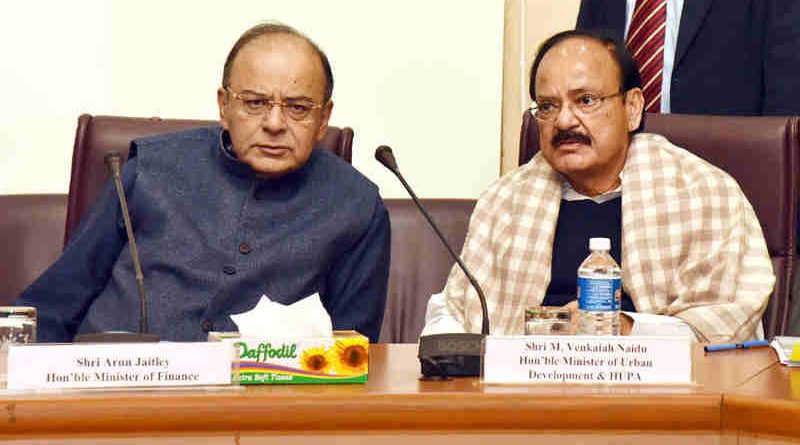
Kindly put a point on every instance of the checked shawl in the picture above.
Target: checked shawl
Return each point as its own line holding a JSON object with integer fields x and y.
{"x": 692, "y": 246}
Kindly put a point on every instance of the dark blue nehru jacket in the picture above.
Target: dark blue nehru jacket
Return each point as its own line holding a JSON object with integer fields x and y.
{"x": 213, "y": 238}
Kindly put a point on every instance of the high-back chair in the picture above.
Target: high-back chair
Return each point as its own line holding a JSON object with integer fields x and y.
{"x": 31, "y": 232}
{"x": 420, "y": 263}
{"x": 99, "y": 135}
{"x": 761, "y": 153}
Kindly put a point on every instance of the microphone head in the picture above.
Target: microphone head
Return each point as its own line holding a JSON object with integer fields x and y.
{"x": 385, "y": 156}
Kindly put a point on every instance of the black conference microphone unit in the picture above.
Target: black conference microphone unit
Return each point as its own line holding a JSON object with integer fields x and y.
{"x": 443, "y": 355}
{"x": 113, "y": 162}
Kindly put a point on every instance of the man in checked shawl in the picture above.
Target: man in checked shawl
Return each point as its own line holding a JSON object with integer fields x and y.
{"x": 693, "y": 256}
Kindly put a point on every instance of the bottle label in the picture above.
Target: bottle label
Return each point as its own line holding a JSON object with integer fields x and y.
{"x": 599, "y": 294}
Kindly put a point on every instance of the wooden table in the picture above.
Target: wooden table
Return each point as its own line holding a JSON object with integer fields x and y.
{"x": 767, "y": 403}
{"x": 740, "y": 397}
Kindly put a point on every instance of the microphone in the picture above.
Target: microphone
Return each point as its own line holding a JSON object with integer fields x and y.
{"x": 453, "y": 354}
{"x": 113, "y": 162}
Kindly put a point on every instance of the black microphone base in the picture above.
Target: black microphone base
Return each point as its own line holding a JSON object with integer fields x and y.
{"x": 451, "y": 355}
{"x": 116, "y": 337}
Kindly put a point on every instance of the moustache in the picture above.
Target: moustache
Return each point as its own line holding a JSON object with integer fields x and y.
{"x": 570, "y": 136}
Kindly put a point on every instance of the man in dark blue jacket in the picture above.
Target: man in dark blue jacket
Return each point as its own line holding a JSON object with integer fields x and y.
{"x": 225, "y": 214}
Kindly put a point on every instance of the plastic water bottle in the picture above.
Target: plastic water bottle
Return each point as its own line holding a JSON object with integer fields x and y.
{"x": 599, "y": 291}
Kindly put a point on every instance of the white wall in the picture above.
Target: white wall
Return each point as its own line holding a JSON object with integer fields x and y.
{"x": 411, "y": 74}
{"x": 528, "y": 23}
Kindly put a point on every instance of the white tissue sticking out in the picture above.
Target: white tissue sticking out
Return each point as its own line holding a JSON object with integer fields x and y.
{"x": 306, "y": 318}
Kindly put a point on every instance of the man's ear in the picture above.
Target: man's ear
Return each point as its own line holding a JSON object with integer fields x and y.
{"x": 634, "y": 107}
{"x": 222, "y": 102}
{"x": 325, "y": 116}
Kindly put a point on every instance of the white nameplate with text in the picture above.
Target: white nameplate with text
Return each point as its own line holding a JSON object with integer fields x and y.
{"x": 587, "y": 359}
{"x": 116, "y": 365}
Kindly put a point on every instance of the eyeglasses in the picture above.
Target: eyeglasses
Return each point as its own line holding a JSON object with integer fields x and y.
{"x": 584, "y": 104}
{"x": 254, "y": 104}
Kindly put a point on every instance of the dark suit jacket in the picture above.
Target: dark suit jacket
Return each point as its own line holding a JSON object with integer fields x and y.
{"x": 732, "y": 57}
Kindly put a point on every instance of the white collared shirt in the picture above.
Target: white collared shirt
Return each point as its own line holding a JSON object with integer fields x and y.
{"x": 570, "y": 194}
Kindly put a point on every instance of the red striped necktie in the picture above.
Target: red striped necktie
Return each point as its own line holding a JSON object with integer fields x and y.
{"x": 646, "y": 42}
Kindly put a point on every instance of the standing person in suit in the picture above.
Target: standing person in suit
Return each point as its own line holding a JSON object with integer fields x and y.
{"x": 734, "y": 57}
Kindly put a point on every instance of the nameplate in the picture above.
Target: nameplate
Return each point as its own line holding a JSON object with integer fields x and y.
{"x": 115, "y": 365}
{"x": 587, "y": 359}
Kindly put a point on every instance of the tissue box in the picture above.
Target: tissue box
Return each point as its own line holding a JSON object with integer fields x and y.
{"x": 344, "y": 358}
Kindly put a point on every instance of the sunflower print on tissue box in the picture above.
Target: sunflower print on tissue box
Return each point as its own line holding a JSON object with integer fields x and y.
{"x": 343, "y": 358}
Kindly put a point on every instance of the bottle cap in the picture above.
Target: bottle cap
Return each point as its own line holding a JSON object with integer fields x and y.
{"x": 599, "y": 244}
